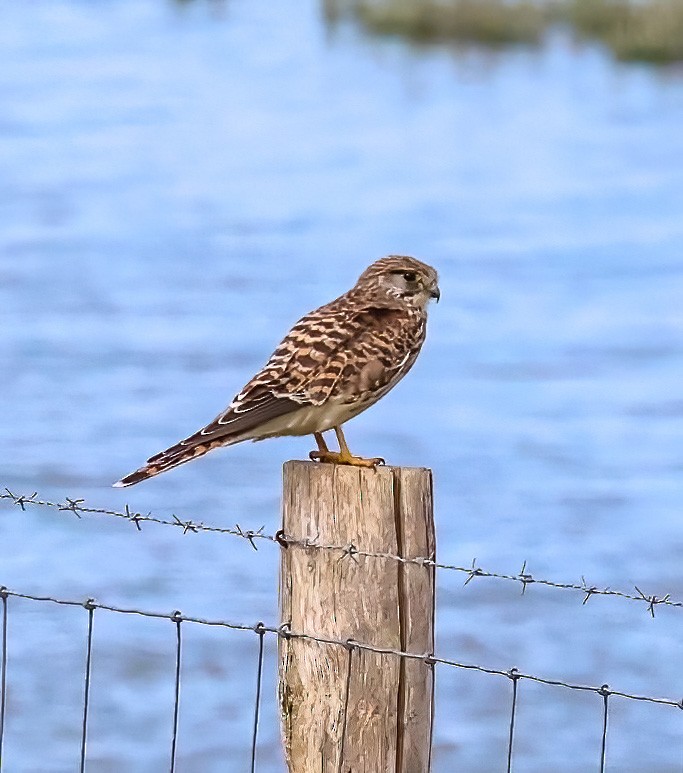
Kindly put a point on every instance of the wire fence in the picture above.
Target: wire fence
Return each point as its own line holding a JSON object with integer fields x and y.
{"x": 513, "y": 676}
{"x": 523, "y": 578}
{"x": 178, "y": 619}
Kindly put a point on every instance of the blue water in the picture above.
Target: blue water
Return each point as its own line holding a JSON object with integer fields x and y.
{"x": 179, "y": 182}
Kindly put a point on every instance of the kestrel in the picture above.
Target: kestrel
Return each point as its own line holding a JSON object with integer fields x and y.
{"x": 334, "y": 363}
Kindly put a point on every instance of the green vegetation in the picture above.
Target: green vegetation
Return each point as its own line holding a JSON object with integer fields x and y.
{"x": 650, "y": 31}
{"x": 492, "y": 21}
{"x": 643, "y": 30}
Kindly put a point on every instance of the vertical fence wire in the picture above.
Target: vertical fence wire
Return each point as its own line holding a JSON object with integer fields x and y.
{"x": 177, "y": 618}
{"x": 347, "y": 690}
{"x": 605, "y": 692}
{"x": 90, "y": 606}
{"x": 260, "y": 630}
{"x": 3, "y": 669}
{"x": 514, "y": 677}
{"x": 431, "y": 663}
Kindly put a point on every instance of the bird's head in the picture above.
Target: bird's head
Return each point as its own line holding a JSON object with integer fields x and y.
{"x": 403, "y": 277}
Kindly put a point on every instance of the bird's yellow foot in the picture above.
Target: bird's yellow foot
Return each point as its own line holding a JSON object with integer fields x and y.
{"x": 338, "y": 457}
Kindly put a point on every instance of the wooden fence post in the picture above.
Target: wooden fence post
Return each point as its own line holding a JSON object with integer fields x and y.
{"x": 386, "y": 727}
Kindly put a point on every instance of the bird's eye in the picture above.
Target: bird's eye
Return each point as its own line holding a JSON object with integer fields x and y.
{"x": 409, "y": 276}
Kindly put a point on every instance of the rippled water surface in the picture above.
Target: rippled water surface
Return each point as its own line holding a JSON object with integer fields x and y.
{"x": 178, "y": 184}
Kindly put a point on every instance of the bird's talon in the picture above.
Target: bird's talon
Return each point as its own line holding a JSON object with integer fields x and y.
{"x": 336, "y": 457}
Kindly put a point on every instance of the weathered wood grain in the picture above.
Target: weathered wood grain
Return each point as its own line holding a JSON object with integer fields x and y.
{"x": 373, "y": 600}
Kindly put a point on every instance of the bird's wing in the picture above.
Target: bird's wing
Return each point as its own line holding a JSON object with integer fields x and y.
{"x": 337, "y": 351}
{"x": 375, "y": 346}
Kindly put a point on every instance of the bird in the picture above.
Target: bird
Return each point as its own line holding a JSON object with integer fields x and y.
{"x": 333, "y": 364}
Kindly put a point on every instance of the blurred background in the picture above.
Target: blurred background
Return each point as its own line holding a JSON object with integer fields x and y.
{"x": 180, "y": 182}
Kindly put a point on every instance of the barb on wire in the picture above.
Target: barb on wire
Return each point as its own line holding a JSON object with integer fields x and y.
{"x": 523, "y": 577}
{"x": 21, "y": 501}
{"x": 473, "y": 572}
{"x": 185, "y": 525}
{"x": 70, "y": 504}
{"x": 652, "y": 601}
{"x": 284, "y": 631}
{"x": 350, "y": 551}
{"x": 251, "y": 535}
{"x": 133, "y": 517}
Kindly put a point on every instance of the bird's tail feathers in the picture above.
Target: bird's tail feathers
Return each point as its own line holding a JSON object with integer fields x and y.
{"x": 230, "y": 427}
{"x": 174, "y": 456}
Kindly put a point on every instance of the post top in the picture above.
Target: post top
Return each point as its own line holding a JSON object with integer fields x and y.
{"x": 329, "y": 468}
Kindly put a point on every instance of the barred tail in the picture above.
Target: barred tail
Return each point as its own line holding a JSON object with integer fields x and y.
{"x": 168, "y": 459}
{"x": 232, "y": 426}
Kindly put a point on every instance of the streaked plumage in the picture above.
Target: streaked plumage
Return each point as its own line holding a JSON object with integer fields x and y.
{"x": 334, "y": 363}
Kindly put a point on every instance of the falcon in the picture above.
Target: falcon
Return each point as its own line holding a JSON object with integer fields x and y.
{"x": 333, "y": 364}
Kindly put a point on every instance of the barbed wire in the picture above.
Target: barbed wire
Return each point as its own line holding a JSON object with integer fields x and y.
{"x": 523, "y": 578}
{"x": 284, "y": 631}
{"x": 77, "y": 507}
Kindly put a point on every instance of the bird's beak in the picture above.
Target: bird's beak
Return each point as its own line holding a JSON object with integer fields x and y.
{"x": 435, "y": 293}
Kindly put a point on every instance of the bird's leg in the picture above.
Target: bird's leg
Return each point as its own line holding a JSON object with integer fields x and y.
{"x": 323, "y": 450}
{"x": 346, "y": 457}
{"x": 320, "y": 440}
{"x": 343, "y": 456}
